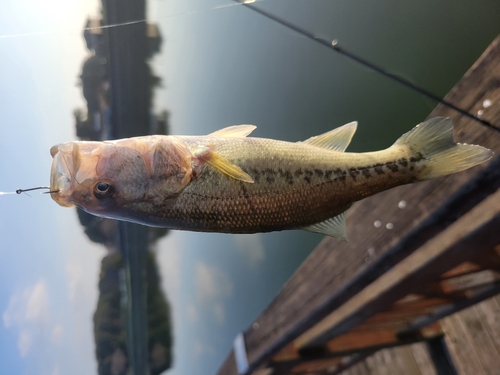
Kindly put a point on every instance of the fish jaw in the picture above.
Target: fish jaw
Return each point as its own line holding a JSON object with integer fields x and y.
{"x": 73, "y": 166}
{"x": 61, "y": 176}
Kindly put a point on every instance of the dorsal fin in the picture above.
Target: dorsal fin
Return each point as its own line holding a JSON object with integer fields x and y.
{"x": 234, "y": 131}
{"x": 334, "y": 227}
{"x": 337, "y": 139}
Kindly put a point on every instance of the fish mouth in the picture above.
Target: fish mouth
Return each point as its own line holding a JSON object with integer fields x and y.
{"x": 61, "y": 176}
{"x": 73, "y": 171}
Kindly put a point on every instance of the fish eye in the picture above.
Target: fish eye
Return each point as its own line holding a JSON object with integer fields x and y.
{"x": 103, "y": 190}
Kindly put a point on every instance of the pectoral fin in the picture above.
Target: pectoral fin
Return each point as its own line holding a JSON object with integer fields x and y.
{"x": 334, "y": 227}
{"x": 219, "y": 162}
{"x": 337, "y": 139}
{"x": 235, "y": 131}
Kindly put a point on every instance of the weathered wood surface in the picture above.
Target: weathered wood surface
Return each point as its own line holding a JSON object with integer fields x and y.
{"x": 476, "y": 356}
{"x": 473, "y": 338}
{"x": 395, "y": 324}
{"x": 424, "y": 264}
{"x": 336, "y": 271}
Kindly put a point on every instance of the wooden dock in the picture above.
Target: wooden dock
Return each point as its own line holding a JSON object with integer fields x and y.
{"x": 416, "y": 255}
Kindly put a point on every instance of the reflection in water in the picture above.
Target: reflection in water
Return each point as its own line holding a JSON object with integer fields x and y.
{"x": 110, "y": 319}
{"x": 132, "y": 321}
{"x": 112, "y": 315}
{"x": 96, "y": 124}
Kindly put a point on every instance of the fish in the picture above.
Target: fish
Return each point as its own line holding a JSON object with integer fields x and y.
{"x": 229, "y": 182}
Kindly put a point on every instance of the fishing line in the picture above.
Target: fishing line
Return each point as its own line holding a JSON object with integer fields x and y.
{"x": 121, "y": 24}
{"x": 74, "y": 30}
{"x": 334, "y": 45}
{"x": 20, "y": 191}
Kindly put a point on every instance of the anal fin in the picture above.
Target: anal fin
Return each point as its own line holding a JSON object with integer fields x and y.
{"x": 334, "y": 227}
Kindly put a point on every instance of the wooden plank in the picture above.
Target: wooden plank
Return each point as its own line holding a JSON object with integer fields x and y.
{"x": 468, "y": 221}
{"x": 490, "y": 259}
{"x": 374, "y": 367}
{"x": 479, "y": 340}
{"x": 327, "y": 366}
{"x": 336, "y": 271}
{"x": 420, "y": 302}
{"x": 404, "y": 357}
{"x": 351, "y": 367}
{"x": 462, "y": 269}
{"x": 361, "y": 368}
{"x": 489, "y": 311}
{"x": 350, "y": 349}
{"x": 456, "y": 337}
{"x": 390, "y": 356}
{"x": 434, "y": 290}
{"x": 415, "y": 263}
{"x": 477, "y": 297}
{"x": 314, "y": 366}
{"x": 396, "y": 321}
{"x": 423, "y": 359}
{"x": 409, "y": 309}
{"x": 362, "y": 340}
{"x": 471, "y": 280}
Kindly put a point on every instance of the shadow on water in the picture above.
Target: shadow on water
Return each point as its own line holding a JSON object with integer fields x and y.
{"x": 132, "y": 321}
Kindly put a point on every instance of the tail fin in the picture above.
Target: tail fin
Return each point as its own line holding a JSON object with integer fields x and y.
{"x": 433, "y": 139}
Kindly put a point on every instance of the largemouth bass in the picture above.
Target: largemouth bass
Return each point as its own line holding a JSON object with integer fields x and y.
{"x": 228, "y": 182}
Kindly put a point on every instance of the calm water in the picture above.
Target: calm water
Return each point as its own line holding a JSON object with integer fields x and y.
{"x": 82, "y": 296}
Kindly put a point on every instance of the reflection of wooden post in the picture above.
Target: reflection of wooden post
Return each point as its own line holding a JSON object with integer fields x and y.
{"x": 134, "y": 246}
{"x": 129, "y": 93}
{"x": 391, "y": 284}
{"x": 127, "y": 68}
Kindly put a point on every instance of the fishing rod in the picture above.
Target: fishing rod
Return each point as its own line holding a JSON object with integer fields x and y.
{"x": 334, "y": 45}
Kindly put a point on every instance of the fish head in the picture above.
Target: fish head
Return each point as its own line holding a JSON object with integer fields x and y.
{"x": 99, "y": 177}
{"x": 126, "y": 179}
